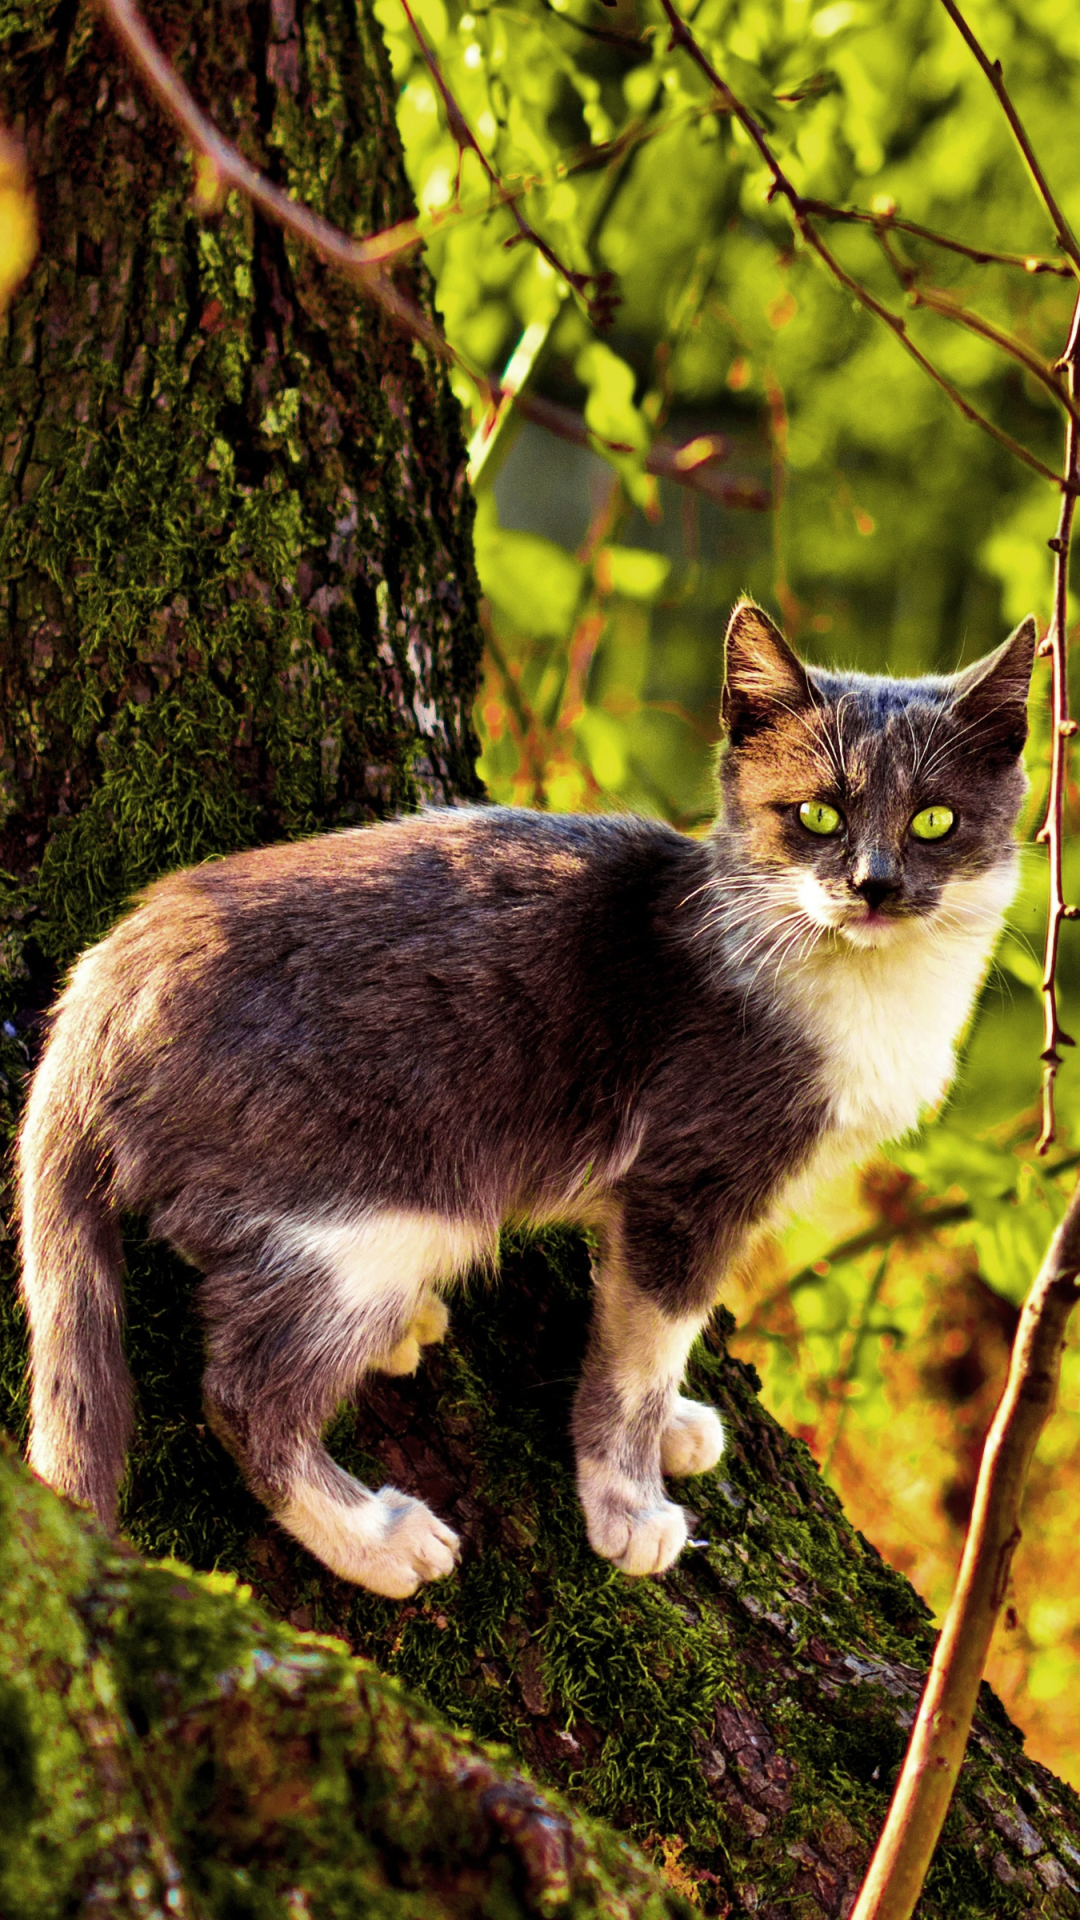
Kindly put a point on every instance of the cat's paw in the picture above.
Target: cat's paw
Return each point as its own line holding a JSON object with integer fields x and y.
{"x": 627, "y": 1523}
{"x": 428, "y": 1324}
{"x": 387, "y": 1541}
{"x": 693, "y": 1440}
{"x": 417, "y": 1546}
{"x": 431, "y": 1320}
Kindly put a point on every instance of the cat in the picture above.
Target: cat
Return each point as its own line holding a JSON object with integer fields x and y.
{"x": 327, "y": 1071}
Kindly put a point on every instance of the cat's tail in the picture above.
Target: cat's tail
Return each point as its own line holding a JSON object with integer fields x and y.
{"x": 80, "y": 1406}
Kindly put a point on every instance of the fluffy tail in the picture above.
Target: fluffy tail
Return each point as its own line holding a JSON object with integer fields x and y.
{"x": 71, "y": 1281}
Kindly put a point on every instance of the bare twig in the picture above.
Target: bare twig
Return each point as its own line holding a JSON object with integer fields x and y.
{"x": 365, "y": 261}
{"x": 939, "y": 1736}
{"x": 1006, "y": 342}
{"x": 982, "y": 256}
{"x": 992, "y": 69}
{"x": 728, "y": 102}
{"x": 692, "y": 465}
{"x": 1051, "y": 832}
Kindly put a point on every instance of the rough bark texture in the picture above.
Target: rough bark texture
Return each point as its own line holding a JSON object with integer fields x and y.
{"x": 165, "y": 1749}
{"x": 238, "y": 594}
{"x": 239, "y": 603}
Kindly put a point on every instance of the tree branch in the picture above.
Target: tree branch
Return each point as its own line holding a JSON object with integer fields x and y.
{"x": 992, "y": 70}
{"x": 1006, "y": 342}
{"x": 982, "y": 256}
{"x": 1052, "y": 831}
{"x": 800, "y": 211}
{"x": 692, "y": 465}
{"x": 939, "y": 1737}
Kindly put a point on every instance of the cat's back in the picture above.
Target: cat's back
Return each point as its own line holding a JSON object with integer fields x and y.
{"x": 426, "y": 997}
{"x": 429, "y": 879}
{"x": 445, "y": 921}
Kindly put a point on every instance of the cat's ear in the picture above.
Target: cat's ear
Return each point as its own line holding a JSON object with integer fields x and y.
{"x": 762, "y": 677}
{"x": 991, "y": 696}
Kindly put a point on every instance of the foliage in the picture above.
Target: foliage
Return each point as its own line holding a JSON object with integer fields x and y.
{"x": 900, "y": 537}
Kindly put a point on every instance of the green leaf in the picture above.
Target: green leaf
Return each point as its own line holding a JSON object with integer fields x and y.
{"x": 535, "y": 583}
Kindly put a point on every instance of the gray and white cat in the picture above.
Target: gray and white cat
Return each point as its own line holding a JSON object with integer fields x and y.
{"x": 328, "y": 1071}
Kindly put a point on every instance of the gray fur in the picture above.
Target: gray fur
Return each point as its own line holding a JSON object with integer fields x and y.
{"x": 456, "y": 1019}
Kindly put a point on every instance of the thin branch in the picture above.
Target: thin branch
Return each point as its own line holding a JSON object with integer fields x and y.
{"x": 1006, "y": 342}
{"x": 692, "y": 465}
{"x": 939, "y": 1737}
{"x": 365, "y": 261}
{"x": 800, "y": 208}
{"x": 1052, "y": 831}
{"x": 992, "y": 69}
{"x": 596, "y": 289}
{"x": 982, "y": 256}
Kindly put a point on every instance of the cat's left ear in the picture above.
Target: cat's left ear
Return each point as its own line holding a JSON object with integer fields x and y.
{"x": 762, "y": 677}
{"x": 992, "y": 695}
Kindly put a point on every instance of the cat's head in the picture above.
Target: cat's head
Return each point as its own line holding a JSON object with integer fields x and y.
{"x": 873, "y": 807}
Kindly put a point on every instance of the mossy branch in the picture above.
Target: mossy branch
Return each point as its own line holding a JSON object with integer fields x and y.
{"x": 171, "y": 1749}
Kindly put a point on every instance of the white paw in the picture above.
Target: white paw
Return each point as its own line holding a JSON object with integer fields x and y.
{"x": 404, "y": 1358}
{"x": 431, "y": 1320}
{"x": 628, "y": 1524}
{"x": 428, "y": 1324}
{"x": 418, "y": 1546}
{"x": 693, "y": 1441}
{"x": 386, "y": 1541}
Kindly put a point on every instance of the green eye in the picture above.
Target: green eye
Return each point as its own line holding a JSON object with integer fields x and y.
{"x": 818, "y": 817}
{"x": 932, "y": 823}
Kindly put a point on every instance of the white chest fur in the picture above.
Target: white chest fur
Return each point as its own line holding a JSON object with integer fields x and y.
{"x": 887, "y": 1021}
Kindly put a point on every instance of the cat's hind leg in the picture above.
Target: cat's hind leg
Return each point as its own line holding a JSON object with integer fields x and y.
{"x": 291, "y": 1332}
{"x": 428, "y": 1325}
{"x": 631, "y": 1425}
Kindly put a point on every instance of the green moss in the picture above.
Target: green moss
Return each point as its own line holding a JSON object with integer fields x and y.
{"x": 241, "y": 602}
{"x": 166, "y": 1742}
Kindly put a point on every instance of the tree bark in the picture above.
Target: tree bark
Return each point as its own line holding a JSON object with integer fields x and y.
{"x": 239, "y": 600}
{"x": 239, "y": 603}
{"x": 164, "y": 1749}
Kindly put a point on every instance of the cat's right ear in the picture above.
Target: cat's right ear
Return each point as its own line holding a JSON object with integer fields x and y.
{"x": 762, "y": 677}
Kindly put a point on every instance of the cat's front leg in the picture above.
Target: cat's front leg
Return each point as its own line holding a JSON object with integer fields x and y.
{"x": 693, "y": 1439}
{"x": 631, "y": 1424}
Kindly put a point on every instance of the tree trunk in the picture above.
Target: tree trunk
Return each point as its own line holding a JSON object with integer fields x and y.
{"x": 239, "y": 599}
{"x": 163, "y": 1749}
{"x": 240, "y": 604}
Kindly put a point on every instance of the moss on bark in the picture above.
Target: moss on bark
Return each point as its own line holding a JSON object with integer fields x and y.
{"x": 166, "y": 1749}
{"x": 238, "y": 594}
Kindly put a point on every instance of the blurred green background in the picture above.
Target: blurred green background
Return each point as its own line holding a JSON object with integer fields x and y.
{"x": 805, "y": 458}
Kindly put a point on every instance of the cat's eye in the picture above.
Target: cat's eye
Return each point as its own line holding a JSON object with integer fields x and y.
{"x": 932, "y": 823}
{"x": 818, "y": 817}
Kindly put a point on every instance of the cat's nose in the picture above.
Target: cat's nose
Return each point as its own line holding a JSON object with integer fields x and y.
{"x": 876, "y": 878}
